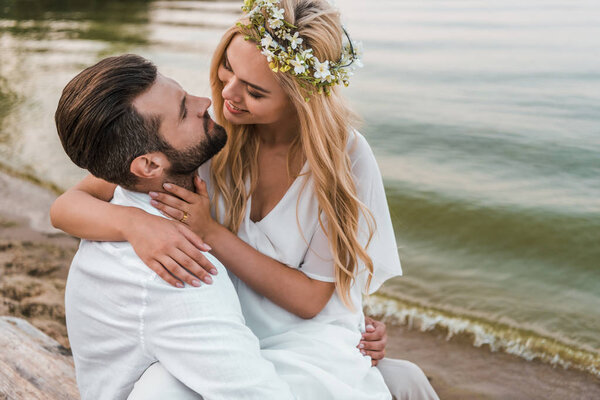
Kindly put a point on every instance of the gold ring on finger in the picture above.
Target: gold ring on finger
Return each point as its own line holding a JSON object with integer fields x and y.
{"x": 185, "y": 217}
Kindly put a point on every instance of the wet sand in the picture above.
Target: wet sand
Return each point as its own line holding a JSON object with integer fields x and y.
{"x": 457, "y": 370}
{"x": 34, "y": 265}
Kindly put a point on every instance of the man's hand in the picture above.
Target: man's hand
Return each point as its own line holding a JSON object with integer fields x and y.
{"x": 374, "y": 340}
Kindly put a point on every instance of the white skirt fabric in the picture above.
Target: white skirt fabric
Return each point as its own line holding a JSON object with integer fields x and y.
{"x": 405, "y": 380}
{"x": 326, "y": 365}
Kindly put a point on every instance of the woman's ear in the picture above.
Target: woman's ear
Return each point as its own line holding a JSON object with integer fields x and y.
{"x": 149, "y": 165}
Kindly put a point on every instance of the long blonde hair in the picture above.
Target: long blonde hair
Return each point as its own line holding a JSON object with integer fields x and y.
{"x": 325, "y": 127}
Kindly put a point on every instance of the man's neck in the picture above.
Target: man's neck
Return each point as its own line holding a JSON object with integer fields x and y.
{"x": 185, "y": 181}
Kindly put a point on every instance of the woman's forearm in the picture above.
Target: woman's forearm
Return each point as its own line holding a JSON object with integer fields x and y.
{"x": 84, "y": 211}
{"x": 79, "y": 214}
{"x": 167, "y": 247}
{"x": 286, "y": 287}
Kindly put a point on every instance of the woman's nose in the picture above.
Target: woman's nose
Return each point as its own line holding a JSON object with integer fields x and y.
{"x": 231, "y": 90}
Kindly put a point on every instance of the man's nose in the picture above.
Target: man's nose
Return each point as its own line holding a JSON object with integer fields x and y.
{"x": 203, "y": 105}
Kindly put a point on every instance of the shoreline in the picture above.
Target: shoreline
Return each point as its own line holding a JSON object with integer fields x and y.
{"x": 34, "y": 262}
{"x": 501, "y": 337}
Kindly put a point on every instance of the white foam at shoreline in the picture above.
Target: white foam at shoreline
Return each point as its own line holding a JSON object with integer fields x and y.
{"x": 525, "y": 344}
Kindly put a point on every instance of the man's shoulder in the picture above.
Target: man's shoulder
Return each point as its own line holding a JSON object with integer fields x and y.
{"x": 122, "y": 257}
{"x": 95, "y": 254}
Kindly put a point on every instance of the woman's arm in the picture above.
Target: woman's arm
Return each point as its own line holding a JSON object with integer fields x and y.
{"x": 284, "y": 286}
{"x": 169, "y": 248}
{"x": 83, "y": 211}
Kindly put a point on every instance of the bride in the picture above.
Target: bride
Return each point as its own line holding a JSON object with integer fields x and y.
{"x": 299, "y": 214}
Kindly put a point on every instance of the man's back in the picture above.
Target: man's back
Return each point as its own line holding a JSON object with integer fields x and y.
{"x": 122, "y": 317}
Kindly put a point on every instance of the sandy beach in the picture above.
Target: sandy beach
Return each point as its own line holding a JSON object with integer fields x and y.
{"x": 34, "y": 262}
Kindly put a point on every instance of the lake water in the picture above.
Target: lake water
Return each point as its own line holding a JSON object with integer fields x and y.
{"x": 484, "y": 117}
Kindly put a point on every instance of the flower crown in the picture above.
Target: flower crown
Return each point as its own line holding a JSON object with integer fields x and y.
{"x": 285, "y": 52}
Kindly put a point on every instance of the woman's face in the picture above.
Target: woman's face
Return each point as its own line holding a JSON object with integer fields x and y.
{"x": 251, "y": 93}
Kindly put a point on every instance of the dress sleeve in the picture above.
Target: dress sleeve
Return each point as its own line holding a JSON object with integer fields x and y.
{"x": 382, "y": 248}
{"x": 318, "y": 262}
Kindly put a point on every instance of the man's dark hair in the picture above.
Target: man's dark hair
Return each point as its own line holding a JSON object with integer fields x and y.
{"x": 98, "y": 125}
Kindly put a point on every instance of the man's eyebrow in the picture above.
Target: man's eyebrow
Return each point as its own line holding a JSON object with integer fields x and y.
{"x": 182, "y": 109}
{"x": 246, "y": 82}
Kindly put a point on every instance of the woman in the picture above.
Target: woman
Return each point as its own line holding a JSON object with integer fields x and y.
{"x": 301, "y": 218}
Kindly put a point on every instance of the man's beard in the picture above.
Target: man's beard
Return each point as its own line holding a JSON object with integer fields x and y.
{"x": 184, "y": 163}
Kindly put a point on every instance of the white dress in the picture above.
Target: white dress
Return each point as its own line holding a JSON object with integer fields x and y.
{"x": 318, "y": 357}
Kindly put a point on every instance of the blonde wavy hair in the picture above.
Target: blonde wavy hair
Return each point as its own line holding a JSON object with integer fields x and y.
{"x": 325, "y": 125}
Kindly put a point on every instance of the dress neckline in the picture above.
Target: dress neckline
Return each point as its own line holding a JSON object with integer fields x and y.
{"x": 282, "y": 200}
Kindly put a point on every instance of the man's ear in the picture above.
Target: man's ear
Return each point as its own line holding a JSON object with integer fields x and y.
{"x": 149, "y": 165}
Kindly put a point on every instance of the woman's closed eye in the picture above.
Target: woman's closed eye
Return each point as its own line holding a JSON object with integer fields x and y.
{"x": 226, "y": 64}
{"x": 255, "y": 94}
{"x": 252, "y": 93}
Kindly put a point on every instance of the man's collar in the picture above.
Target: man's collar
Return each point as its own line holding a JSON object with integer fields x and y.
{"x": 129, "y": 198}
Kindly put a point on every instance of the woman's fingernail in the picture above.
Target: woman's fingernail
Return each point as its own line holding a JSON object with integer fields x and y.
{"x": 208, "y": 280}
{"x": 196, "y": 283}
{"x": 207, "y": 247}
{"x": 167, "y": 186}
{"x": 179, "y": 285}
{"x": 153, "y": 194}
{"x": 364, "y": 353}
{"x": 154, "y": 202}
{"x": 214, "y": 271}
{"x": 370, "y": 327}
{"x": 361, "y": 346}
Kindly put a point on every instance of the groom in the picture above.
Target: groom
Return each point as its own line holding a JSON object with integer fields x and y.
{"x": 128, "y": 124}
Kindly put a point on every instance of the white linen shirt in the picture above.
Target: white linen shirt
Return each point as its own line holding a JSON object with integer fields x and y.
{"x": 122, "y": 317}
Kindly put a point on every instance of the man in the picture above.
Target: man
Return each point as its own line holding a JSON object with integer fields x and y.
{"x": 130, "y": 125}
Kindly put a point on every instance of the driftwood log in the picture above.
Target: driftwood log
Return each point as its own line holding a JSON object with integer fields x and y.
{"x": 33, "y": 365}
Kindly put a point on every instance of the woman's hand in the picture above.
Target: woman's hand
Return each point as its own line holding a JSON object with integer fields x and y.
{"x": 374, "y": 340}
{"x": 170, "y": 249}
{"x": 192, "y": 209}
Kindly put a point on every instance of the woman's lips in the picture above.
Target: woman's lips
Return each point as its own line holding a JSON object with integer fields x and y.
{"x": 233, "y": 109}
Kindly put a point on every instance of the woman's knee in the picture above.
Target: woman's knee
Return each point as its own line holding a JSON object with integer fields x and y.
{"x": 406, "y": 380}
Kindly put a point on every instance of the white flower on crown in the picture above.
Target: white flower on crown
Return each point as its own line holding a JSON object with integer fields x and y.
{"x": 306, "y": 54}
{"x": 322, "y": 70}
{"x": 347, "y": 72}
{"x": 267, "y": 41}
{"x": 268, "y": 53}
{"x": 299, "y": 65}
{"x": 252, "y": 12}
{"x": 295, "y": 40}
{"x": 277, "y": 13}
{"x": 358, "y": 53}
{"x": 275, "y": 23}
